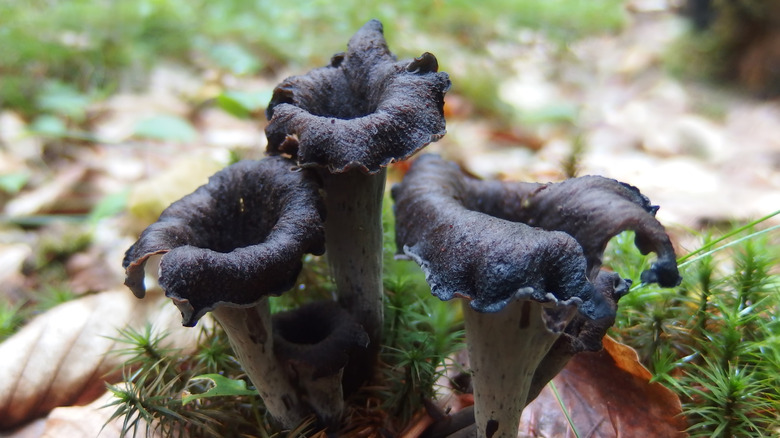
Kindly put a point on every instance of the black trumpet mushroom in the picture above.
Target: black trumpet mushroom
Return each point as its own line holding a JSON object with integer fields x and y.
{"x": 526, "y": 260}
{"x": 225, "y": 249}
{"x": 350, "y": 120}
{"x": 315, "y": 342}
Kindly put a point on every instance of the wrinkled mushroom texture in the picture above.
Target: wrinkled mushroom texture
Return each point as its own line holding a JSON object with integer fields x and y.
{"x": 592, "y": 209}
{"x": 234, "y": 240}
{"x": 363, "y": 111}
{"x": 319, "y": 336}
{"x": 487, "y": 260}
{"x": 581, "y": 333}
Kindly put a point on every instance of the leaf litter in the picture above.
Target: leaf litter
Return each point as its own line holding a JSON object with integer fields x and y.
{"x": 704, "y": 155}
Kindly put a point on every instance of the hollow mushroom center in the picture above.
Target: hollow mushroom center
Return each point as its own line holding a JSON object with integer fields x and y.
{"x": 343, "y": 105}
{"x": 307, "y": 331}
{"x": 249, "y": 221}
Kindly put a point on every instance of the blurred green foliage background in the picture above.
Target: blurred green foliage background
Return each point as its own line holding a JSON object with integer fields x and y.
{"x": 57, "y": 56}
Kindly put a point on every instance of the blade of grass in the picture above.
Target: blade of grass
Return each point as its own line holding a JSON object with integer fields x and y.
{"x": 705, "y": 254}
{"x": 724, "y": 237}
{"x": 563, "y": 408}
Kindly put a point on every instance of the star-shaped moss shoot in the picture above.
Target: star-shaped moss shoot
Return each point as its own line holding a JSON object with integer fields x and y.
{"x": 350, "y": 120}
{"x": 524, "y": 287}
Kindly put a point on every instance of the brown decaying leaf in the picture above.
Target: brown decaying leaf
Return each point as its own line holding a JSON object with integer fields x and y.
{"x": 40, "y": 199}
{"x": 90, "y": 271}
{"x": 77, "y": 421}
{"x": 607, "y": 394}
{"x": 60, "y": 358}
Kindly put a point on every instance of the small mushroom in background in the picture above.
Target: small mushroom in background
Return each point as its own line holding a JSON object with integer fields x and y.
{"x": 350, "y": 120}
{"x": 533, "y": 296}
{"x": 315, "y": 342}
{"x": 227, "y": 247}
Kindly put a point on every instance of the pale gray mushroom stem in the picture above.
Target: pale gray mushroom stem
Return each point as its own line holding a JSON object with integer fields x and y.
{"x": 524, "y": 276}
{"x": 249, "y": 332}
{"x": 353, "y": 241}
{"x": 505, "y": 349}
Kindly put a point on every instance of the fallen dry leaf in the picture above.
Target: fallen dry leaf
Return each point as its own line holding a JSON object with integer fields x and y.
{"x": 77, "y": 421}
{"x": 12, "y": 257}
{"x": 607, "y": 394}
{"x": 90, "y": 271}
{"x": 60, "y": 358}
{"x": 150, "y": 197}
{"x": 38, "y": 200}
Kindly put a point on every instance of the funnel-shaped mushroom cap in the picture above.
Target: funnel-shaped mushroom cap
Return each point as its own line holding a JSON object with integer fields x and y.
{"x": 592, "y": 209}
{"x": 318, "y": 336}
{"x": 470, "y": 235}
{"x": 363, "y": 111}
{"x": 487, "y": 260}
{"x": 234, "y": 240}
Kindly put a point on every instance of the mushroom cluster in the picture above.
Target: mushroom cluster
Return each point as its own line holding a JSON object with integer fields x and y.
{"x": 349, "y": 120}
{"x": 239, "y": 239}
{"x": 526, "y": 259}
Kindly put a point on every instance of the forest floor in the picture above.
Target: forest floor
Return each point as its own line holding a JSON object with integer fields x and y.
{"x": 605, "y": 105}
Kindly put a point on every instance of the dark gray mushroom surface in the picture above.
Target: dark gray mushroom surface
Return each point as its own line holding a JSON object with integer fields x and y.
{"x": 363, "y": 111}
{"x": 592, "y": 209}
{"x": 487, "y": 260}
{"x": 319, "y": 335}
{"x": 234, "y": 240}
{"x": 483, "y": 215}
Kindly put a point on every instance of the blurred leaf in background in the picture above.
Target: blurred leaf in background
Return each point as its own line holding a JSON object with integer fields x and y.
{"x": 12, "y": 183}
{"x": 244, "y": 104}
{"x": 166, "y": 128}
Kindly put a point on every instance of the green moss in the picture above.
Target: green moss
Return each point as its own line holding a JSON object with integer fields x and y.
{"x": 715, "y": 339}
